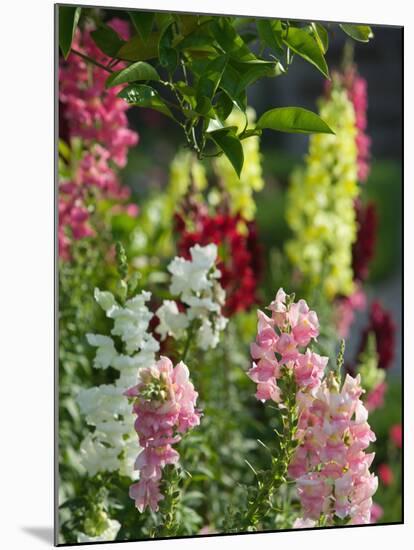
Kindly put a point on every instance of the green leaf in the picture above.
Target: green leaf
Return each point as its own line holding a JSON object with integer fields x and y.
{"x": 137, "y": 71}
{"x": 229, "y": 143}
{"x": 107, "y": 40}
{"x": 230, "y": 41}
{"x": 321, "y": 36}
{"x": 293, "y": 119}
{"x": 302, "y": 43}
{"x": 223, "y": 106}
{"x": 143, "y": 22}
{"x": 230, "y": 84}
{"x": 361, "y": 33}
{"x": 167, "y": 54}
{"x": 270, "y": 33}
{"x": 208, "y": 83}
{"x": 142, "y": 95}
{"x": 64, "y": 150}
{"x": 200, "y": 40}
{"x": 254, "y": 70}
{"x": 68, "y": 21}
{"x": 138, "y": 50}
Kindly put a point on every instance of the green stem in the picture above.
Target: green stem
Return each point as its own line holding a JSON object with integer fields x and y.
{"x": 276, "y": 477}
{"x": 187, "y": 342}
{"x": 90, "y": 60}
{"x": 168, "y": 509}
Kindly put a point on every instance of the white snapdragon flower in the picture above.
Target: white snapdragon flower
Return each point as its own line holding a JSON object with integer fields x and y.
{"x": 105, "y": 353}
{"x": 193, "y": 274}
{"x": 131, "y": 321}
{"x": 96, "y": 457}
{"x": 113, "y": 445}
{"x": 196, "y": 283}
{"x": 172, "y": 322}
{"x": 208, "y": 335}
{"x": 109, "y": 534}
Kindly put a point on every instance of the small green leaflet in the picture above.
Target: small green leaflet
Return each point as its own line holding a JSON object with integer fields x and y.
{"x": 361, "y": 33}
{"x": 302, "y": 43}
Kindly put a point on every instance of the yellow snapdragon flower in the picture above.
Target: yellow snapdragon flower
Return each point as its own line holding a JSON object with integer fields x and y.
{"x": 320, "y": 209}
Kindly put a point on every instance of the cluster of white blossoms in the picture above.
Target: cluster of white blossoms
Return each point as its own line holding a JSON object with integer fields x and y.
{"x": 113, "y": 445}
{"x": 195, "y": 283}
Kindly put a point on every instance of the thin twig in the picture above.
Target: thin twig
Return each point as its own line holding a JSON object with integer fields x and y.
{"x": 90, "y": 60}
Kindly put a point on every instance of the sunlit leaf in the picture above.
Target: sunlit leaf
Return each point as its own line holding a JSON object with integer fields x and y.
{"x": 142, "y": 95}
{"x": 137, "y": 71}
{"x": 270, "y": 32}
{"x": 302, "y": 43}
{"x": 294, "y": 120}
{"x": 321, "y": 36}
{"x": 361, "y": 33}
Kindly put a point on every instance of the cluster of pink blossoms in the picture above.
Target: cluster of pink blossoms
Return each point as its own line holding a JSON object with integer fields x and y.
{"x": 329, "y": 466}
{"x": 279, "y": 339}
{"x": 357, "y": 93}
{"x": 164, "y": 402}
{"x": 98, "y": 117}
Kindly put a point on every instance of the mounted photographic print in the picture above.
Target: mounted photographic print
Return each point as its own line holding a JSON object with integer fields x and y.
{"x": 229, "y": 227}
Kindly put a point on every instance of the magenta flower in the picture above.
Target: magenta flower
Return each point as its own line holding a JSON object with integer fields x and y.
{"x": 382, "y": 325}
{"x": 375, "y": 398}
{"x": 92, "y": 112}
{"x": 396, "y": 435}
{"x": 96, "y": 115}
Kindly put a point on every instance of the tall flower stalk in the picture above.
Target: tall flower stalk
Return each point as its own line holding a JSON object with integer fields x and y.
{"x": 320, "y": 210}
{"x": 325, "y": 429}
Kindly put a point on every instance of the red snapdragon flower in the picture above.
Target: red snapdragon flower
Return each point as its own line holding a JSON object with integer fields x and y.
{"x": 364, "y": 247}
{"x": 396, "y": 435}
{"x": 382, "y": 325}
{"x": 240, "y": 254}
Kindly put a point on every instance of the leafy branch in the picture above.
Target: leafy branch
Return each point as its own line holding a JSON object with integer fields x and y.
{"x": 196, "y": 69}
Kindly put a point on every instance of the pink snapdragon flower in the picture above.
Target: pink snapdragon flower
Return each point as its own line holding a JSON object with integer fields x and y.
{"x": 330, "y": 464}
{"x": 376, "y": 512}
{"x": 165, "y": 405}
{"x": 345, "y": 308}
{"x": 313, "y": 490}
{"x": 333, "y": 434}
{"x": 304, "y": 323}
{"x": 278, "y": 344}
{"x": 310, "y": 369}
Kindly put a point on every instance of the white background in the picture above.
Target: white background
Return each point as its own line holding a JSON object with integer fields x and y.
{"x": 26, "y": 286}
